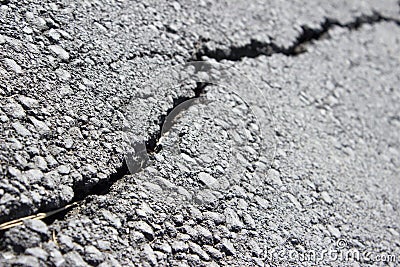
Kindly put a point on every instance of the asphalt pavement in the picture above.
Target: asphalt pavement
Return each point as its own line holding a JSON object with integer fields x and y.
{"x": 199, "y": 133}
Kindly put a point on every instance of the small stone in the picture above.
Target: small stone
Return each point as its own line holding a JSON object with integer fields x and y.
{"x": 15, "y": 110}
{"x": 14, "y": 171}
{"x": 145, "y": 229}
{"x": 26, "y": 261}
{"x": 74, "y": 259}
{"x": 51, "y": 161}
{"x": 195, "y": 248}
{"x": 148, "y": 253}
{"x": 208, "y": 180}
{"x": 217, "y": 218}
{"x": 28, "y": 102}
{"x": 137, "y": 237}
{"x": 27, "y": 30}
{"x": 89, "y": 170}
{"x": 93, "y": 255}
{"x": 111, "y": 218}
{"x": 63, "y": 169}
{"x": 88, "y": 83}
{"x": 326, "y": 197}
{"x": 56, "y": 258}
{"x": 274, "y": 176}
{"x": 294, "y": 200}
{"x": 37, "y": 252}
{"x": 12, "y": 65}
{"x": 54, "y": 35}
{"x": 40, "y": 126}
{"x": 68, "y": 143}
{"x": 232, "y": 220}
{"x": 63, "y": 75}
{"x": 2, "y": 39}
{"x": 176, "y": 6}
{"x": 65, "y": 90}
{"x": 179, "y": 246}
{"x": 20, "y": 129}
{"x": 37, "y": 226}
{"x": 60, "y": 52}
{"x": 334, "y": 231}
{"x": 103, "y": 245}
{"x": 7, "y": 198}
{"x": 164, "y": 247}
{"x": 204, "y": 234}
{"x": 213, "y": 252}
{"x": 34, "y": 175}
{"x": 227, "y": 247}
{"x": 40, "y": 162}
{"x": 178, "y": 219}
{"x": 65, "y": 242}
{"x": 394, "y": 232}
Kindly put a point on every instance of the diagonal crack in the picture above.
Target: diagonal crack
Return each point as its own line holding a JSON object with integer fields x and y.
{"x": 234, "y": 53}
{"x": 82, "y": 191}
{"x": 256, "y": 48}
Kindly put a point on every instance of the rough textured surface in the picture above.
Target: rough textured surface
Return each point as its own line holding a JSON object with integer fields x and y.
{"x": 74, "y": 75}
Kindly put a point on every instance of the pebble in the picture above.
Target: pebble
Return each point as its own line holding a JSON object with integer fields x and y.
{"x": 326, "y": 197}
{"x": 63, "y": 169}
{"x": 208, "y": 180}
{"x": 2, "y": 39}
{"x": 274, "y": 175}
{"x": 63, "y": 75}
{"x": 111, "y": 218}
{"x": 164, "y": 247}
{"x": 103, "y": 245}
{"x": 54, "y": 35}
{"x": 37, "y": 252}
{"x": 195, "y": 248}
{"x": 149, "y": 254}
{"x": 145, "y": 229}
{"x": 228, "y": 248}
{"x": 334, "y": 231}
{"x": 12, "y": 65}
{"x": 179, "y": 246}
{"x": 27, "y": 30}
{"x": 74, "y": 259}
{"x": 204, "y": 234}
{"x": 26, "y": 261}
{"x": 37, "y": 226}
{"x": 88, "y": 83}
{"x": 20, "y": 129}
{"x": 40, "y": 162}
{"x": 233, "y": 220}
{"x": 34, "y": 175}
{"x": 93, "y": 255}
{"x": 15, "y": 110}
{"x": 65, "y": 241}
{"x": 60, "y": 52}
{"x": 28, "y": 102}
{"x": 56, "y": 258}
{"x": 213, "y": 252}
{"x": 217, "y": 218}
{"x": 40, "y": 126}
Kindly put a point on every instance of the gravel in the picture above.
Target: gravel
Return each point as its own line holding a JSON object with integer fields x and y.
{"x": 81, "y": 84}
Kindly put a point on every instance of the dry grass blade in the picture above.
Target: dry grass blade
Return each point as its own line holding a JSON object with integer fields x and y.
{"x": 38, "y": 216}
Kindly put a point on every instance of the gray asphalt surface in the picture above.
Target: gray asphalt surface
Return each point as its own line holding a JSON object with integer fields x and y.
{"x": 76, "y": 75}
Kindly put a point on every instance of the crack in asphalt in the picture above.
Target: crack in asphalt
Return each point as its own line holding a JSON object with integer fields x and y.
{"x": 256, "y": 48}
{"x": 82, "y": 191}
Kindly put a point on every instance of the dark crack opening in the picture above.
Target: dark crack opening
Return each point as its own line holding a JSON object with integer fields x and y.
{"x": 82, "y": 191}
{"x": 308, "y": 35}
